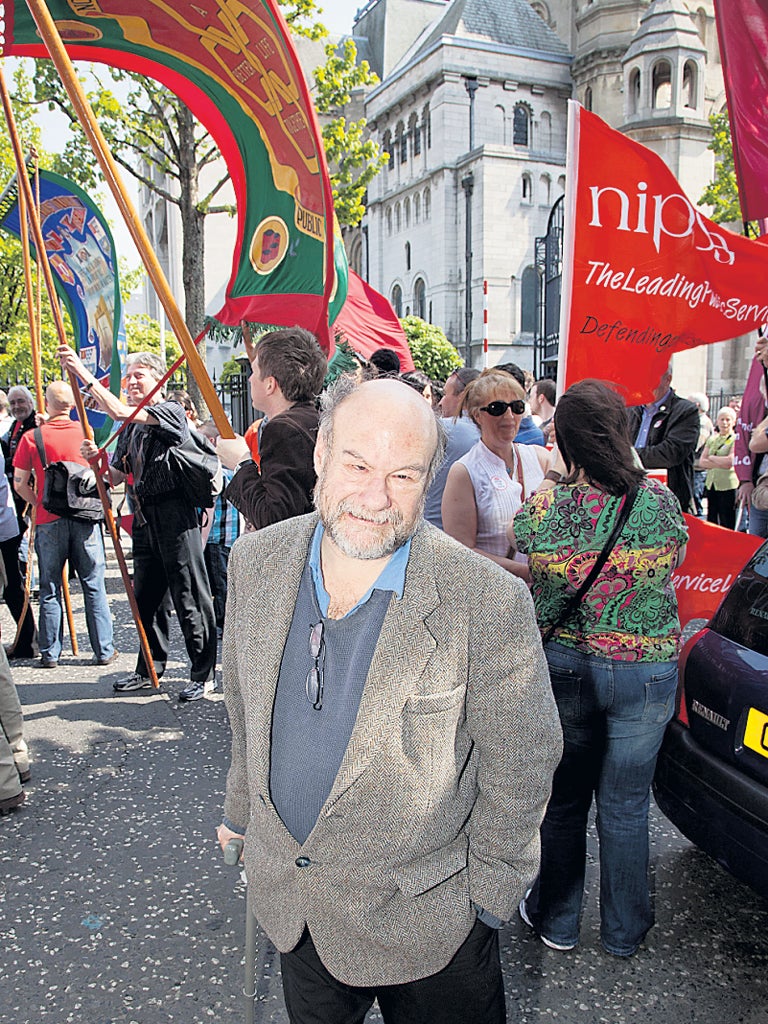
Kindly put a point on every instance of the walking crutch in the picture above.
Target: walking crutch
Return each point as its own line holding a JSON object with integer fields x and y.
{"x": 233, "y": 851}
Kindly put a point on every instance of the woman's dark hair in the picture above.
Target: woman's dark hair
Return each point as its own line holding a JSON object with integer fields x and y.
{"x": 417, "y": 380}
{"x": 592, "y": 434}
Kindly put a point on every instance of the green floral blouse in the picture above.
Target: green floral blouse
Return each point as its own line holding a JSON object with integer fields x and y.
{"x": 630, "y": 611}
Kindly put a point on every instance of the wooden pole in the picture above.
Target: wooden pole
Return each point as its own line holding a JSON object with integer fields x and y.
{"x": 68, "y": 608}
{"x": 37, "y": 235}
{"x": 32, "y": 317}
{"x": 60, "y": 57}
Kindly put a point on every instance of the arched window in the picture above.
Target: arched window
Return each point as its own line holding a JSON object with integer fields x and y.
{"x": 356, "y": 256}
{"x": 526, "y": 192}
{"x": 398, "y": 217}
{"x": 387, "y": 144}
{"x": 701, "y": 24}
{"x": 521, "y": 125}
{"x": 545, "y": 132}
{"x": 398, "y": 146}
{"x": 545, "y": 190}
{"x": 407, "y": 255}
{"x": 561, "y": 183}
{"x": 497, "y": 133}
{"x": 402, "y": 142}
{"x": 690, "y": 83}
{"x": 407, "y": 212}
{"x": 426, "y": 126}
{"x": 588, "y": 97}
{"x": 420, "y": 298}
{"x": 662, "y": 85}
{"x": 427, "y": 203}
{"x": 397, "y": 300}
{"x": 529, "y": 300}
{"x": 413, "y": 130}
{"x": 541, "y": 10}
{"x": 634, "y": 90}
{"x": 416, "y": 208}
{"x": 388, "y": 217}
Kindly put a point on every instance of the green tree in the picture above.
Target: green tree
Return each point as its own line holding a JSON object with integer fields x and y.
{"x": 353, "y": 159}
{"x": 143, "y": 333}
{"x": 722, "y": 194}
{"x": 432, "y": 353}
{"x": 15, "y": 350}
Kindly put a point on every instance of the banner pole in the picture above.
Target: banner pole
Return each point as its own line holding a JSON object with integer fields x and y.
{"x": 37, "y": 235}
{"x": 60, "y": 57}
{"x": 569, "y": 222}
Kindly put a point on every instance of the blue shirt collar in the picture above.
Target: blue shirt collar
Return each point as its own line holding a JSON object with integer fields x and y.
{"x": 391, "y": 577}
{"x": 655, "y": 406}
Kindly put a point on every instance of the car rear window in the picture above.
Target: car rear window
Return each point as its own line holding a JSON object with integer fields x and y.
{"x": 743, "y": 615}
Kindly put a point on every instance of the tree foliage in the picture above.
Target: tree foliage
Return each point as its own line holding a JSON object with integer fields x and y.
{"x": 353, "y": 159}
{"x": 722, "y": 194}
{"x": 15, "y": 350}
{"x": 432, "y": 353}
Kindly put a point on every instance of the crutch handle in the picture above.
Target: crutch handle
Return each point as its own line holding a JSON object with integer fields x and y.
{"x": 233, "y": 851}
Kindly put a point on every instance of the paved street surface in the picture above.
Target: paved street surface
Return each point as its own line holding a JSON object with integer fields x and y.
{"x": 115, "y": 905}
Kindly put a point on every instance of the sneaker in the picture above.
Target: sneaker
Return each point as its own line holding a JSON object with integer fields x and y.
{"x": 134, "y": 682}
{"x": 48, "y": 663}
{"x": 522, "y": 910}
{"x": 196, "y": 690}
{"x": 106, "y": 661}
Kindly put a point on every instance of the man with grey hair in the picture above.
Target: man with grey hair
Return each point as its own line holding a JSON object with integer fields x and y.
{"x": 393, "y": 742}
{"x": 167, "y": 543}
{"x": 14, "y": 550}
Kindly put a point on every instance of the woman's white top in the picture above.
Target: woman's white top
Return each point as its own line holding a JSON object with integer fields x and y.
{"x": 497, "y": 494}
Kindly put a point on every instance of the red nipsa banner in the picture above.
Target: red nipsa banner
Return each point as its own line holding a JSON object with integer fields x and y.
{"x": 742, "y": 29}
{"x": 714, "y": 559}
{"x": 645, "y": 274}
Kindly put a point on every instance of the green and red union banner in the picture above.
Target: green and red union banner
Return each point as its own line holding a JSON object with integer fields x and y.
{"x": 233, "y": 63}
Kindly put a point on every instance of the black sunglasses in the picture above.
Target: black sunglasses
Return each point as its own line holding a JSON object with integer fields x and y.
{"x": 517, "y": 406}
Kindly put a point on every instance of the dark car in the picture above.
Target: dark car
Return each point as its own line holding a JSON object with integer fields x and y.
{"x": 712, "y": 772}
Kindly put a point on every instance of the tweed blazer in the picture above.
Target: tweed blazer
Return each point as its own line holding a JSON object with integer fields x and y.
{"x": 438, "y": 800}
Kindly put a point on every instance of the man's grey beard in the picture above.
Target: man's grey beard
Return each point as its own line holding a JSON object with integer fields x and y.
{"x": 400, "y": 531}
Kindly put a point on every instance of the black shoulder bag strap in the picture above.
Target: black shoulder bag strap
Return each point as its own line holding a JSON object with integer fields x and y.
{"x": 41, "y": 447}
{"x": 575, "y": 599}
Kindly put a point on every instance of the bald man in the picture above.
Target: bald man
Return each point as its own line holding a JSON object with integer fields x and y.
{"x": 393, "y": 733}
{"x": 59, "y": 540}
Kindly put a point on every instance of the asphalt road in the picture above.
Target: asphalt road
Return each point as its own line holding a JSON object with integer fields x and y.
{"x": 115, "y": 905}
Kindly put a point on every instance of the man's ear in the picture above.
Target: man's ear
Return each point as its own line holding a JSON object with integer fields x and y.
{"x": 319, "y": 454}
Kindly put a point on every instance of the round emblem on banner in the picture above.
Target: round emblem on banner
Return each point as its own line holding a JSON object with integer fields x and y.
{"x": 77, "y": 32}
{"x": 269, "y": 245}
{"x": 500, "y": 482}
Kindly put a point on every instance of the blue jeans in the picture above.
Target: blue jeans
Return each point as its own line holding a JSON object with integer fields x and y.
{"x": 82, "y": 544}
{"x": 613, "y": 715}
{"x": 758, "y": 522}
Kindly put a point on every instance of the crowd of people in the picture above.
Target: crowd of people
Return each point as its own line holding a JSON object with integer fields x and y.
{"x": 449, "y": 626}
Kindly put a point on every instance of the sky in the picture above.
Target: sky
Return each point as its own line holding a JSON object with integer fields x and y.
{"x": 338, "y": 15}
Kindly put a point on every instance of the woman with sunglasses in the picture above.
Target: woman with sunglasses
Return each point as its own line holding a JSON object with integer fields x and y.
{"x": 488, "y": 485}
{"x": 611, "y": 645}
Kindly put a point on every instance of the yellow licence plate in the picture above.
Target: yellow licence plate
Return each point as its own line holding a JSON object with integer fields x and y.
{"x": 756, "y": 732}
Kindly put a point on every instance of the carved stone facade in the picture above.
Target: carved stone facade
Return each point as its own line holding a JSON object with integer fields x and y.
{"x": 473, "y": 113}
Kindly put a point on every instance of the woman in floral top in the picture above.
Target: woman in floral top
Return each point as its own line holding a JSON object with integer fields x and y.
{"x": 613, "y": 664}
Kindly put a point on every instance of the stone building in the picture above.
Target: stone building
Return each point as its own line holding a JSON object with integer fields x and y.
{"x": 472, "y": 109}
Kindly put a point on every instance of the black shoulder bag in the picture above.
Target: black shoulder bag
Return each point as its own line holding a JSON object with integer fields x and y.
{"x": 575, "y": 599}
{"x": 69, "y": 488}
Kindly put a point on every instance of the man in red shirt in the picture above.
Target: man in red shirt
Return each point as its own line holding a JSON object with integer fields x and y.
{"x": 60, "y": 540}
